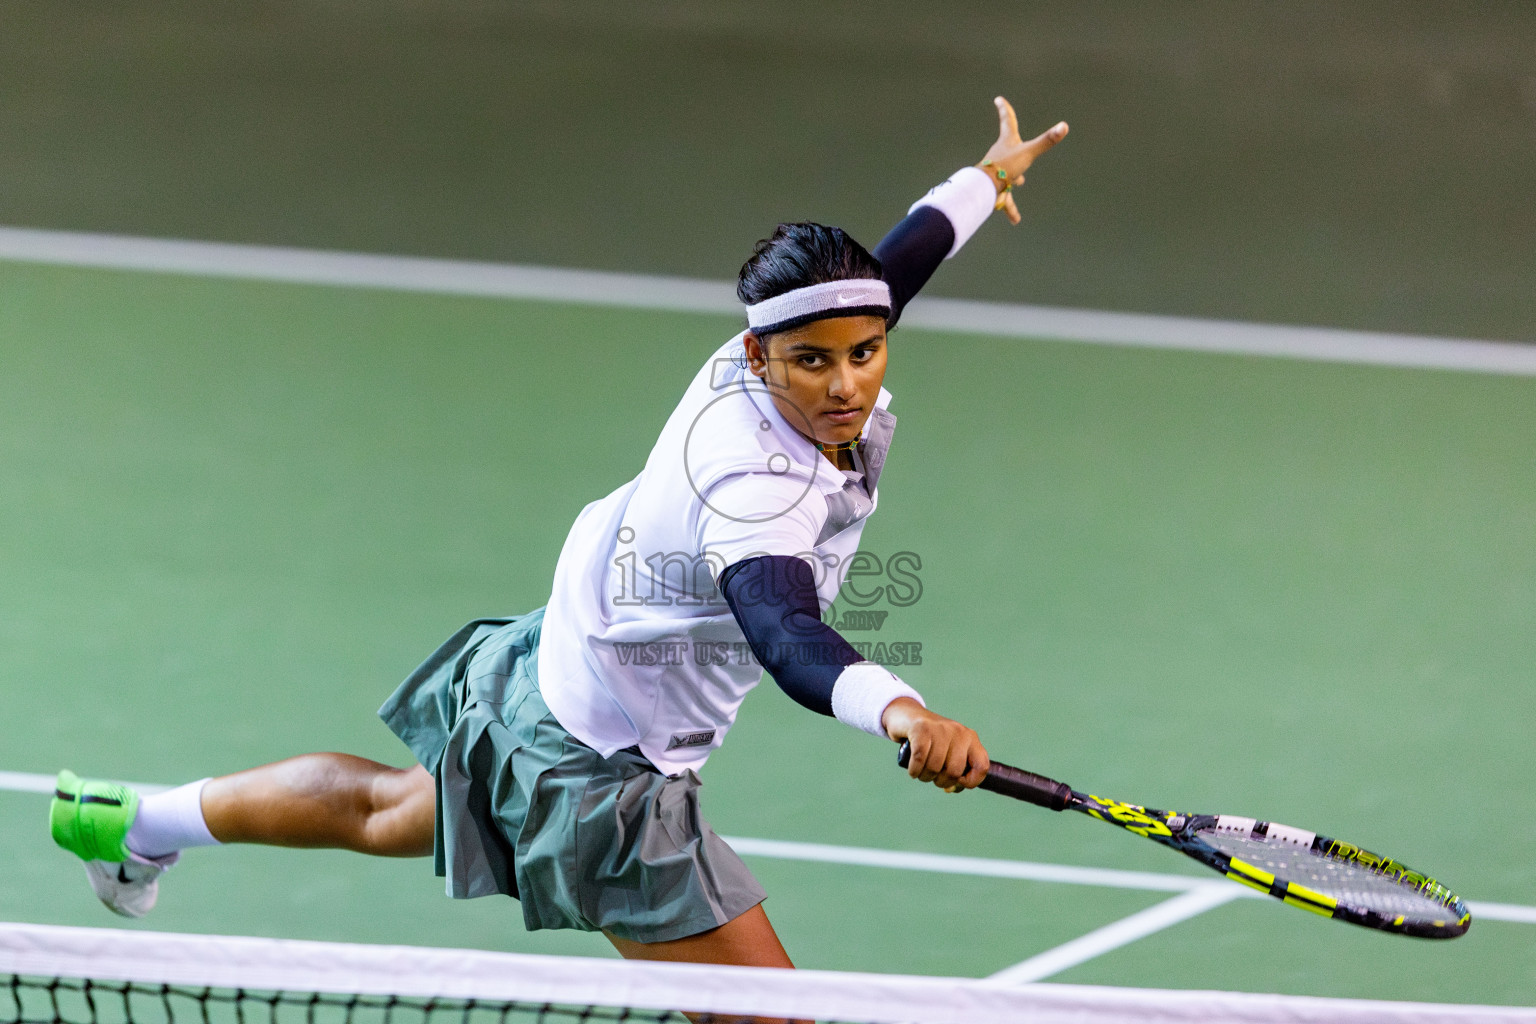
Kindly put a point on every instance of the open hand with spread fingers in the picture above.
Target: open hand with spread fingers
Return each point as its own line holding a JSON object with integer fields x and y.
{"x": 1010, "y": 156}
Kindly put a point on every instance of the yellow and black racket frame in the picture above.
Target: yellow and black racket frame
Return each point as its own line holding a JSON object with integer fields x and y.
{"x": 1180, "y": 831}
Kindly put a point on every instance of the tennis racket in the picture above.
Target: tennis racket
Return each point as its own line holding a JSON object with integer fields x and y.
{"x": 1306, "y": 870}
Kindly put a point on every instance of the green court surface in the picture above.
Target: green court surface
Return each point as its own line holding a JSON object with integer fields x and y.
{"x": 234, "y": 514}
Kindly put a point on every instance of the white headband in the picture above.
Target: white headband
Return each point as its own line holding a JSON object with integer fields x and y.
{"x": 854, "y": 297}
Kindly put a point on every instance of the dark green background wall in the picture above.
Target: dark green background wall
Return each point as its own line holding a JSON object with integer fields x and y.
{"x": 1366, "y": 164}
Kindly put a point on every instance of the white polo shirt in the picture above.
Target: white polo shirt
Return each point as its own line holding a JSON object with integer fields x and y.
{"x": 639, "y": 647}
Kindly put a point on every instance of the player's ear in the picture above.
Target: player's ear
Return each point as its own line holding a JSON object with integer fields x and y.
{"x": 757, "y": 353}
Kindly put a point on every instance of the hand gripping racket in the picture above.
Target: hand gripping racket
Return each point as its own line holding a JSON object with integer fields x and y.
{"x": 1306, "y": 870}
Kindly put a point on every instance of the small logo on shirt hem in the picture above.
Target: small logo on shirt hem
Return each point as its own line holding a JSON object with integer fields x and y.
{"x": 692, "y": 739}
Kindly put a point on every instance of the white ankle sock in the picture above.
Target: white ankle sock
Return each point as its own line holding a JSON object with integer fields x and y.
{"x": 170, "y": 821}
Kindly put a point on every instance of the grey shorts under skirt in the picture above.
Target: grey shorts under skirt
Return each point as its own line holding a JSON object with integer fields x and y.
{"x": 527, "y": 809}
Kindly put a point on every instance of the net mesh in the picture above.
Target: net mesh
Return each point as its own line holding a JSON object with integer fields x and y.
{"x": 1346, "y": 882}
{"x": 34, "y": 1000}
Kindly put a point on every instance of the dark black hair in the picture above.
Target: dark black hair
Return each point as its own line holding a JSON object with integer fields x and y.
{"x": 799, "y": 255}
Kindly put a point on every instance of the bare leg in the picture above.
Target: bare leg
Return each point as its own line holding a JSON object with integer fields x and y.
{"x": 343, "y": 802}
{"x": 326, "y": 800}
{"x": 747, "y": 941}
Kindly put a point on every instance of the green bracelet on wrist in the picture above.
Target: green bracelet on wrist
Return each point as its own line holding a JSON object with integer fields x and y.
{"x": 1002, "y": 177}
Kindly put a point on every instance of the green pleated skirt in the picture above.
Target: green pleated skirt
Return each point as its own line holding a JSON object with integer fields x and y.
{"x": 526, "y": 809}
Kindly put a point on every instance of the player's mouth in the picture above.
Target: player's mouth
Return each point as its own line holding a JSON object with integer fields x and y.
{"x": 841, "y": 416}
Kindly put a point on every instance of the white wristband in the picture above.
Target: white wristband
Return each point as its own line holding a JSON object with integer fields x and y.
{"x": 967, "y": 199}
{"x": 863, "y": 691}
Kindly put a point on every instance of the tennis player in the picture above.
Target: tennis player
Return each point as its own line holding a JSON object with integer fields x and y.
{"x": 558, "y": 750}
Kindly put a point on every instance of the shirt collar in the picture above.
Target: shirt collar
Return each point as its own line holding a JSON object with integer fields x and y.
{"x": 876, "y": 438}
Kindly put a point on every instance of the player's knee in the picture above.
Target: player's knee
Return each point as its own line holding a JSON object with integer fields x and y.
{"x": 392, "y": 788}
{"x": 401, "y": 813}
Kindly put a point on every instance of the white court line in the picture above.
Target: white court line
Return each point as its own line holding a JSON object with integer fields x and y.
{"x": 22, "y": 782}
{"x": 689, "y": 295}
{"x": 1121, "y": 933}
{"x": 950, "y": 864}
{"x": 1512, "y": 912}
{"x": 1229, "y": 337}
{"x": 26, "y": 782}
{"x": 368, "y": 270}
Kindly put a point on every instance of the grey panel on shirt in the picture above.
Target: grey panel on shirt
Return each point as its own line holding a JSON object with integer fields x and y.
{"x": 856, "y": 500}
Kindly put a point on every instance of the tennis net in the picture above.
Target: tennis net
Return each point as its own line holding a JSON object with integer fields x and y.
{"x": 56, "y": 975}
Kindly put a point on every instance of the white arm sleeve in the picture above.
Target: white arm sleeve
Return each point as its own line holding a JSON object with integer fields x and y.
{"x": 966, "y": 199}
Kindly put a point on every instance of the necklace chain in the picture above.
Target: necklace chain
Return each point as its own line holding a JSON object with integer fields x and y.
{"x": 838, "y": 446}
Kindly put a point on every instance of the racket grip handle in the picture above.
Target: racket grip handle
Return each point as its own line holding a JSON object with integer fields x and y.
{"x": 1027, "y": 786}
{"x": 1015, "y": 782}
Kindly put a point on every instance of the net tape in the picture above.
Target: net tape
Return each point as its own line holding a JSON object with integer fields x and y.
{"x": 52, "y": 974}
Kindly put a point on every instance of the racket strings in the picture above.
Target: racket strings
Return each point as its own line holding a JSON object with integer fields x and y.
{"x": 1348, "y": 882}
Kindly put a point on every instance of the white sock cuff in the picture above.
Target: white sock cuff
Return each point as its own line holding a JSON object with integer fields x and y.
{"x": 170, "y": 821}
{"x": 863, "y": 691}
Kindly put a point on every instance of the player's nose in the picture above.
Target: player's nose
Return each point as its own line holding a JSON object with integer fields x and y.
{"x": 841, "y": 384}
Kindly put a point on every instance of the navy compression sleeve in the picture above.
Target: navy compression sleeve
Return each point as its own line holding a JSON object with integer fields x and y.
{"x": 774, "y": 600}
{"x": 911, "y": 252}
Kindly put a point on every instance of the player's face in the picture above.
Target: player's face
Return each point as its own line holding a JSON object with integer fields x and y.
{"x": 825, "y": 376}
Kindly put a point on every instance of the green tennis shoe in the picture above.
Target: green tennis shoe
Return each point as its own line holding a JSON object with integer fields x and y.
{"x": 91, "y": 818}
